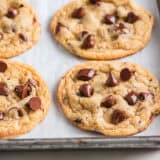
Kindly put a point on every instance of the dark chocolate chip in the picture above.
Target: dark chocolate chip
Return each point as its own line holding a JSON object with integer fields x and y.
{"x": 23, "y": 37}
{"x": 78, "y": 120}
{"x": 109, "y": 102}
{"x": 131, "y": 18}
{"x": 131, "y": 98}
{"x": 34, "y": 103}
{"x": 118, "y": 117}
{"x": 21, "y": 112}
{"x": 86, "y": 90}
{"x": 58, "y": 27}
{"x": 125, "y": 74}
{"x": 111, "y": 81}
{"x": 79, "y": 13}
{"x": 89, "y": 42}
{"x": 94, "y": 1}
{"x": 23, "y": 91}
{"x": 120, "y": 27}
{"x": 1, "y": 36}
{"x": 3, "y": 66}
{"x": 3, "y": 89}
{"x": 144, "y": 95}
{"x": 110, "y": 19}
{"x": 2, "y": 114}
{"x": 83, "y": 34}
{"x": 86, "y": 74}
{"x": 12, "y": 13}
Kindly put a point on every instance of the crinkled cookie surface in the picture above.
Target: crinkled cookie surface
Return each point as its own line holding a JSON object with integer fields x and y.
{"x": 112, "y": 98}
{"x": 102, "y": 29}
{"x": 19, "y": 27}
{"x": 24, "y": 99}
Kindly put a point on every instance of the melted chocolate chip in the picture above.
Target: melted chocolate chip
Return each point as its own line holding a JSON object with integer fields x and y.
{"x": 131, "y": 98}
{"x": 79, "y": 13}
{"x": 23, "y": 91}
{"x": 109, "y": 102}
{"x": 83, "y": 34}
{"x": 86, "y": 90}
{"x": 3, "y": 66}
{"x": 23, "y": 37}
{"x": 78, "y": 120}
{"x": 94, "y": 1}
{"x": 34, "y": 103}
{"x": 2, "y": 114}
{"x": 3, "y": 89}
{"x": 89, "y": 42}
{"x": 144, "y": 95}
{"x": 118, "y": 117}
{"x": 125, "y": 74}
{"x": 12, "y": 13}
{"x": 21, "y": 112}
{"x": 58, "y": 27}
{"x": 111, "y": 81}
{"x": 131, "y": 18}
{"x": 86, "y": 74}
{"x": 110, "y": 19}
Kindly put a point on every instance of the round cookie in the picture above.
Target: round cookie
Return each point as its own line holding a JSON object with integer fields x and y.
{"x": 24, "y": 99}
{"x": 102, "y": 29}
{"x": 19, "y": 27}
{"x": 112, "y": 98}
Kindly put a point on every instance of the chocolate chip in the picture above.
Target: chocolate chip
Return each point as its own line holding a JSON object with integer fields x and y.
{"x": 131, "y": 18}
{"x": 83, "y": 34}
{"x": 110, "y": 19}
{"x": 109, "y": 102}
{"x": 120, "y": 27}
{"x": 89, "y": 42}
{"x": 86, "y": 90}
{"x": 3, "y": 89}
{"x": 125, "y": 74}
{"x": 58, "y": 27}
{"x": 131, "y": 98}
{"x": 26, "y": 90}
{"x": 12, "y": 13}
{"x": 144, "y": 95}
{"x": 86, "y": 74}
{"x": 23, "y": 91}
{"x": 111, "y": 81}
{"x": 1, "y": 36}
{"x": 23, "y": 37}
{"x": 94, "y": 1}
{"x": 118, "y": 117}
{"x": 79, "y": 13}
{"x": 3, "y": 66}
{"x": 77, "y": 120}
{"x": 2, "y": 114}
{"x": 18, "y": 90}
{"x": 21, "y": 112}
{"x": 34, "y": 103}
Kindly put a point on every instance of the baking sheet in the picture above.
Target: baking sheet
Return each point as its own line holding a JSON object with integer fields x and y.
{"x": 52, "y": 61}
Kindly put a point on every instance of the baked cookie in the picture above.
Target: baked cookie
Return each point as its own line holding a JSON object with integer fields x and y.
{"x": 102, "y": 29}
{"x": 24, "y": 99}
{"x": 113, "y": 98}
{"x": 19, "y": 27}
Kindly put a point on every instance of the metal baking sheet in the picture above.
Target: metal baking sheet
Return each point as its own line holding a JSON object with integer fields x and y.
{"x": 52, "y": 61}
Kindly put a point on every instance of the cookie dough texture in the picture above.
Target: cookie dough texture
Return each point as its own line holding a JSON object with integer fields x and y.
{"x": 16, "y": 117}
{"x": 117, "y": 37}
{"x": 88, "y": 113}
{"x": 19, "y": 27}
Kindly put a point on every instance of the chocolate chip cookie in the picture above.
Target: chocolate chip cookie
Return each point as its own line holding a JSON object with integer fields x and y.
{"x": 24, "y": 99}
{"x": 19, "y": 27}
{"x": 102, "y": 29}
{"x": 112, "y": 98}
